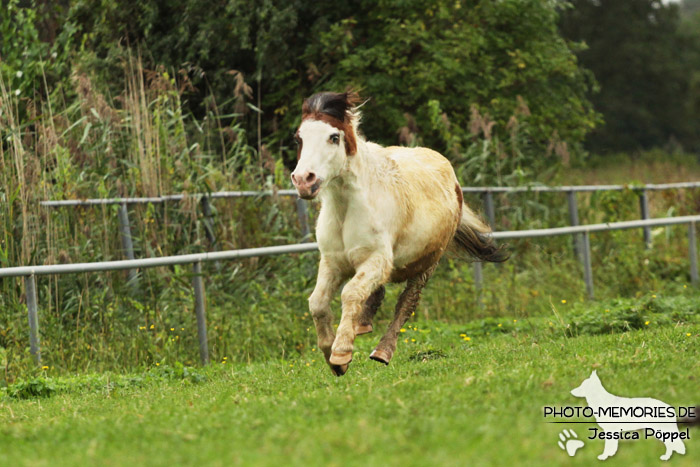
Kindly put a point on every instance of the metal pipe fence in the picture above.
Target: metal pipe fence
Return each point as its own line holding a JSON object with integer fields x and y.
{"x": 303, "y": 214}
{"x": 476, "y": 189}
{"x": 30, "y": 272}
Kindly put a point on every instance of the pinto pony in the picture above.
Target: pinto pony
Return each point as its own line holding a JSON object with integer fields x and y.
{"x": 387, "y": 215}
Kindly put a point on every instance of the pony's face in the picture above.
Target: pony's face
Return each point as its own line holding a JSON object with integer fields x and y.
{"x": 321, "y": 156}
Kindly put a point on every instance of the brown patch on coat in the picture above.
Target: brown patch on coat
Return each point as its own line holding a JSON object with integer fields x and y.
{"x": 460, "y": 198}
{"x": 300, "y": 144}
{"x": 416, "y": 268}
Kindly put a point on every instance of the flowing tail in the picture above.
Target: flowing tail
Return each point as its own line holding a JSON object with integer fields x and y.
{"x": 473, "y": 237}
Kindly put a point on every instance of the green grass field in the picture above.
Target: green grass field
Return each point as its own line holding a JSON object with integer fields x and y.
{"x": 453, "y": 395}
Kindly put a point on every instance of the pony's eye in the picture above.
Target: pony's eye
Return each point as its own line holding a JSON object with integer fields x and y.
{"x": 297, "y": 140}
{"x": 335, "y": 138}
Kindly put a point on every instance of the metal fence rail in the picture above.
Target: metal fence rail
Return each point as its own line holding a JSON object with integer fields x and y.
{"x": 165, "y": 198}
{"x": 30, "y": 272}
{"x": 486, "y": 193}
{"x": 580, "y": 188}
{"x": 476, "y": 189}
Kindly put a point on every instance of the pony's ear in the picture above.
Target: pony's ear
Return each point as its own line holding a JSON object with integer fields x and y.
{"x": 352, "y": 99}
{"x": 594, "y": 374}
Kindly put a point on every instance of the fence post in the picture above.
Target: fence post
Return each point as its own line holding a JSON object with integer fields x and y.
{"x": 644, "y": 208}
{"x": 34, "y": 344}
{"x": 573, "y": 221}
{"x": 200, "y": 311}
{"x": 303, "y": 215}
{"x": 693, "y": 253}
{"x": 209, "y": 227}
{"x": 125, "y": 234}
{"x": 587, "y": 269}
{"x": 489, "y": 208}
{"x": 478, "y": 283}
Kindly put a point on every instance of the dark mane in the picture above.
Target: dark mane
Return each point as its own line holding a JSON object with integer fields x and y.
{"x": 337, "y": 105}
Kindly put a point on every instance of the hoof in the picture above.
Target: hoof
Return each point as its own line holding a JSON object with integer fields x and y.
{"x": 339, "y": 370}
{"x": 363, "y": 329}
{"x": 340, "y": 358}
{"x": 380, "y": 356}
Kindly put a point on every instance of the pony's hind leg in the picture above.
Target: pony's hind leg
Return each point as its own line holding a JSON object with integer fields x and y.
{"x": 369, "y": 309}
{"x": 406, "y": 305}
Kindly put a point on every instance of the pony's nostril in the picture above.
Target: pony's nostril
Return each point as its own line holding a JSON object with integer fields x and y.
{"x": 311, "y": 177}
{"x": 294, "y": 179}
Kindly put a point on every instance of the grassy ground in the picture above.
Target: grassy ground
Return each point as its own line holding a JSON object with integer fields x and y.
{"x": 453, "y": 395}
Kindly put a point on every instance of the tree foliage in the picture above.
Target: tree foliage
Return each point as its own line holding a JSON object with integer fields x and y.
{"x": 645, "y": 65}
{"x": 493, "y": 56}
{"x": 408, "y": 56}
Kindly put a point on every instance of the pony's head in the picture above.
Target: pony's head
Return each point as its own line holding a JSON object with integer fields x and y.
{"x": 325, "y": 139}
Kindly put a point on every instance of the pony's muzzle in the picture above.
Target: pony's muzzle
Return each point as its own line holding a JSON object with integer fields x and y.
{"x": 307, "y": 184}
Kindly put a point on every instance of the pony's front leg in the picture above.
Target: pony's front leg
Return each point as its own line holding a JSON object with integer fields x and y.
{"x": 327, "y": 283}
{"x": 372, "y": 273}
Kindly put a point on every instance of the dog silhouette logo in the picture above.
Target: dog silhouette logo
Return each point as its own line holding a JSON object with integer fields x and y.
{"x": 623, "y": 418}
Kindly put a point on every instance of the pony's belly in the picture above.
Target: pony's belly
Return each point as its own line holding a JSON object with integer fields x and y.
{"x": 405, "y": 271}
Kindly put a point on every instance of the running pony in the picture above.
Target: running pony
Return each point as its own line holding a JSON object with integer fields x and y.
{"x": 387, "y": 215}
